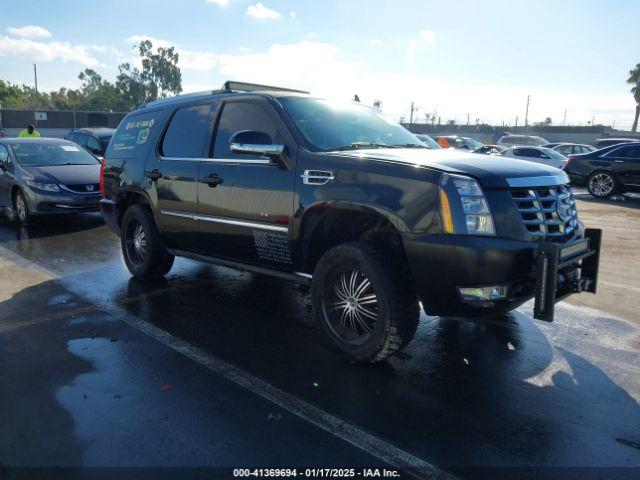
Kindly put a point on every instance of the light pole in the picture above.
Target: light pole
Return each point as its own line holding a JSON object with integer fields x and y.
{"x": 526, "y": 113}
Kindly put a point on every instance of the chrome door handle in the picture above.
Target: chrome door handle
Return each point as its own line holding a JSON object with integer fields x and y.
{"x": 316, "y": 177}
{"x": 618, "y": 161}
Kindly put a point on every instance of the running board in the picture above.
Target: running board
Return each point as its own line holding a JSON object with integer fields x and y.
{"x": 298, "y": 277}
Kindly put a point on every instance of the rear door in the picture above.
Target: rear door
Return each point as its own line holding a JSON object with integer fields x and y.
{"x": 172, "y": 172}
{"x": 246, "y": 214}
{"x": 626, "y": 164}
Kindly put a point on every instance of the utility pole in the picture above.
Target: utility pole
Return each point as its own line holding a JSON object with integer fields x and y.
{"x": 564, "y": 119}
{"x": 526, "y": 114}
{"x": 413, "y": 108}
{"x": 516, "y": 121}
{"x": 468, "y": 114}
{"x": 35, "y": 76}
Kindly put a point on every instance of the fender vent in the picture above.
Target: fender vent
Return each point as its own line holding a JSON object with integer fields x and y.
{"x": 316, "y": 177}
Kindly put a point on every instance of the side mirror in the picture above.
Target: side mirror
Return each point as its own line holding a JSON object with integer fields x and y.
{"x": 251, "y": 142}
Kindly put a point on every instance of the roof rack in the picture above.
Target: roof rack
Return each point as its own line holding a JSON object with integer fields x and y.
{"x": 230, "y": 86}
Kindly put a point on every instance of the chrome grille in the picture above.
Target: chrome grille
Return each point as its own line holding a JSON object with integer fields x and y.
{"x": 84, "y": 188}
{"x": 547, "y": 212}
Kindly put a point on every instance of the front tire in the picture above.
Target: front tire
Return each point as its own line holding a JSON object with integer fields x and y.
{"x": 21, "y": 208}
{"x": 364, "y": 303}
{"x": 143, "y": 250}
{"x": 602, "y": 184}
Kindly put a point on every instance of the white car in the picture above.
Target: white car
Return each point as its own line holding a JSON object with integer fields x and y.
{"x": 544, "y": 155}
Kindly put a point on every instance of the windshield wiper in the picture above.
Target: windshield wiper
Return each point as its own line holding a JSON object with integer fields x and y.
{"x": 409, "y": 145}
{"x": 359, "y": 145}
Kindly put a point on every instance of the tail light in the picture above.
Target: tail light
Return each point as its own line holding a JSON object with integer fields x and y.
{"x": 569, "y": 159}
{"x": 102, "y": 178}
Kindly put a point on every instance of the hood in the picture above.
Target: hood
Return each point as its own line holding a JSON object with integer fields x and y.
{"x": 65, "y": 174}
{"x": 492, "y": 171}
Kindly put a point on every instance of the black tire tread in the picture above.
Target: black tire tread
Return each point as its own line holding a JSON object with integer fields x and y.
{"x": 160, "y": 260}
{"x": 403, "y": 302}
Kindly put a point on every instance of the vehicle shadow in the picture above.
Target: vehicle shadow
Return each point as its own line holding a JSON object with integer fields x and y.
{"x": 491, "y": 392}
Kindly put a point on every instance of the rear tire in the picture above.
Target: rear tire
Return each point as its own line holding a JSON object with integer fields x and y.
{"x": 366, "y": 305}
{"x": 602, "y": 184}
{"x": 144, "y": 252}
{"x": 21, "y": 208}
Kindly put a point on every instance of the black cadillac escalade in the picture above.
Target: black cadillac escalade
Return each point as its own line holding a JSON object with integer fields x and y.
{"x": 337, "y": 197}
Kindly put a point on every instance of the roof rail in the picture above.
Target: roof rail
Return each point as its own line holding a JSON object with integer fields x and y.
{"x": 231, "y": 86}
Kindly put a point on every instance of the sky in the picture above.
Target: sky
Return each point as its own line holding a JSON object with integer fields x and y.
{"x": 452, "y": 59}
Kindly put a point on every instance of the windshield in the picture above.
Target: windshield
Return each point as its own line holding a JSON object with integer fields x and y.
{"x": 335, "y": 126}
{"x": 473, "y": 143}
{"x": 39, "y": 155}
{"x": 555, "y": 155}
{"x": 428, "y": 141}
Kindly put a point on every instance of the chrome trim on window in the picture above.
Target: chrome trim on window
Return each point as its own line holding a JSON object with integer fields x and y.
{"x": 257, "y": 149}
{"x": 544, "y": 181}
{"x": 227, "y": 221}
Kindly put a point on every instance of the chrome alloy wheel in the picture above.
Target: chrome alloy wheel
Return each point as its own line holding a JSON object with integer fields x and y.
{"x": 351, "y": 306}
{"x": 136, "y": 242}
{"x": 601, "y": 184}
{"x": 21, "y": 208}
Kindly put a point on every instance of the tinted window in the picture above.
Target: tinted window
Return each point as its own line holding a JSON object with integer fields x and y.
{"x": 528, "y": 152}
{"x": 628, "y": 152}
{"x": 188, "y": 132}
{"x": 93, "y": 145}
{"x": 82, "y": 139}
{"x": 237, "y": 116}
{"x": 133, "y": 134}
{"x": 4, "y": 154}
{"x": 72, "y": 136}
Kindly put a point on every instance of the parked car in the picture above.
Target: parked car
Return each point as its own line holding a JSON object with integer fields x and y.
{"x": 338, "y": 198}
{"x": 567, "y": 149}
{"x": 94, "y": 140}
{"x": 515, "y": 140}
{"x": 461, "y": 143}
{"x": 607, "y": 142}
{"x": 428, "y": 141}
{"x": 613, "y": 169}
{"x": 490, "y": 149}
{"x": 543, "y": 155}
{"x": 45, "y": 176}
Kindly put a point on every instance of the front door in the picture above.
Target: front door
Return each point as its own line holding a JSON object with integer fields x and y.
{"x": 172, "y": 172}
{"x": 6, "y": 177}
{"x": 246, "y": 201}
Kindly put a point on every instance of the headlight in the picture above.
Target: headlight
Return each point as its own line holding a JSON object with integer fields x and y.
{"x": 48, "y": 187}
{"x": 463, "y": 207}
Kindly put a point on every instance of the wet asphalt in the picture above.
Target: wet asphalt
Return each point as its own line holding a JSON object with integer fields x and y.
{"x": 506, "y": 397}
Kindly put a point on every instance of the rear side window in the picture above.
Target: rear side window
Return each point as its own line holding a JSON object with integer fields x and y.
{"x": 133, "y": 134}
{"x": 188, "y": 132}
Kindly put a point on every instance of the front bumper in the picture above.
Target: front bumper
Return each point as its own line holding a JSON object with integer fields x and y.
{"x": 47, "y": 203}
{"x": 442, "y": 263}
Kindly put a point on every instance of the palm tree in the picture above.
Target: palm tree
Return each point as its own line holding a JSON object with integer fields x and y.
{"x": 634, "y": 79}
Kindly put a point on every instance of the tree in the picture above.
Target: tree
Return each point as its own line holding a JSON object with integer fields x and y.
{"x": 634, "y": 79}
{"x": 160, "y": 75}
{"x": 548, "y": 121}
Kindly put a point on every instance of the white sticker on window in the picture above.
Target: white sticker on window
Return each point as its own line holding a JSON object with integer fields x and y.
{"x": 70, "y": 148}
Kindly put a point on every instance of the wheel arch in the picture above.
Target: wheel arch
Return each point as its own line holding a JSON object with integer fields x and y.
{"x": 125, "y": 198}
{"x": 328, "y": 224}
